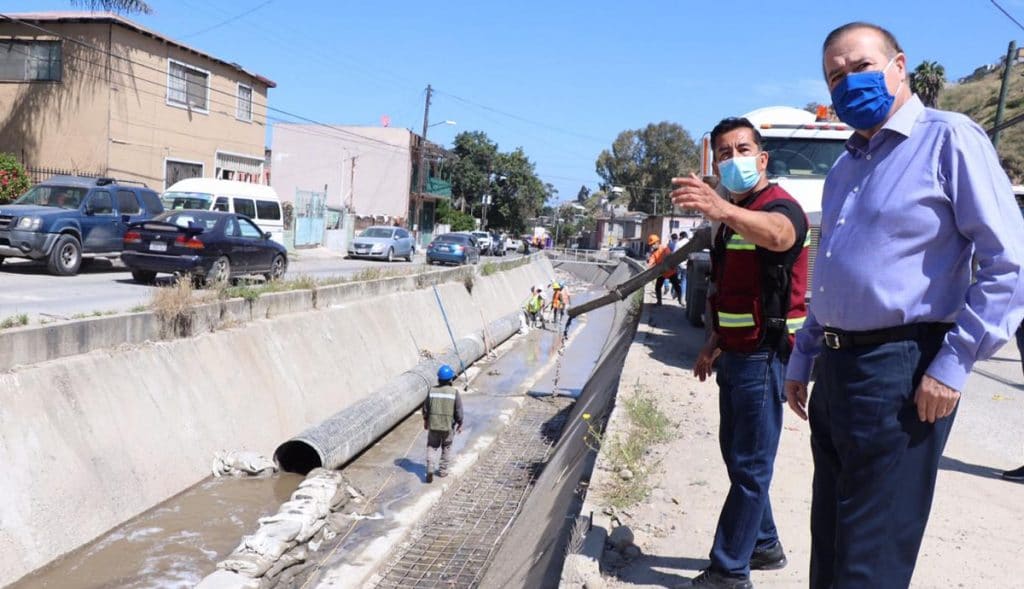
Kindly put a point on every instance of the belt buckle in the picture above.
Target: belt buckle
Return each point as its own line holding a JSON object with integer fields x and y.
{"x": 832, "y": 340}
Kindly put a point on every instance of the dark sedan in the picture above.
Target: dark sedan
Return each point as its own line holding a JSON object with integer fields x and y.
{"x": 453, "y": 248}
{"x": 212, "y": 246}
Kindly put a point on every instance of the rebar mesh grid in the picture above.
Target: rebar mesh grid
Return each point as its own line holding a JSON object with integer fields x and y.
{"x": 452, "y": 547}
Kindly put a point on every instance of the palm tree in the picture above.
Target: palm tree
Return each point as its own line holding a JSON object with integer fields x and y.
{"x": 927, "y": 81}
{"x": 129, "y": 6}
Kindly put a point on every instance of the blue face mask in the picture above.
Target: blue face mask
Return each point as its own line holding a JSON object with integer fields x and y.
{"x": 739, "y": 174}
{"x": 862, "y": 100}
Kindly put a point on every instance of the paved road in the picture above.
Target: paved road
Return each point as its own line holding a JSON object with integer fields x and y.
{"x": 104, "y": 286}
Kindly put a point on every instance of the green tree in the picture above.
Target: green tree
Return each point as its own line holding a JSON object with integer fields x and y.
{"x": 643, "y": 162}
{"x": 927, "y": 80}
{"x": 583, "y": 194}
{"x": 13, "y": 178}
{"x": 129, "y": 6}
{"x": 480, "y": 168}
{"x": 458, "y": 220}
{"x": 475, "y": 156}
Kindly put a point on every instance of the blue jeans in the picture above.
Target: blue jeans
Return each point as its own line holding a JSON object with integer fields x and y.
{"x": 875, "y": 464}
{"x": 1020, "y": 344}
{"x": 750, "y": 406}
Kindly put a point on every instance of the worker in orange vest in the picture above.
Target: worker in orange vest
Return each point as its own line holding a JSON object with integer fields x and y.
{"x": 658, "y": 253}
{"x": 559, "y": 301}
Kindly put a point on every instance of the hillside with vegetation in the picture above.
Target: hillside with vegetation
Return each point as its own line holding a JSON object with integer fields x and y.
{"x": 977, "y": 98}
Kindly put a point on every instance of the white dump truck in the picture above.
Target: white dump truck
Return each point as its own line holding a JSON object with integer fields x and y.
{"x": 801, "y": 146}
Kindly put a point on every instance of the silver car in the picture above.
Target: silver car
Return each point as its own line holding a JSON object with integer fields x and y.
{"x": 382, "y": 242}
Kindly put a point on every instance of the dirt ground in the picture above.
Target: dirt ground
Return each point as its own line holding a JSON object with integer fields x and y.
{"x": 972, "y": 536}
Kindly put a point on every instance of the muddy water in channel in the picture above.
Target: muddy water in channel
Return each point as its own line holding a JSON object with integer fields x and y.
{"x": 173, "y": 545}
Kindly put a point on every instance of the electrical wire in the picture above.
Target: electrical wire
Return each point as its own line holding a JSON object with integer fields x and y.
{"x": 1008, "y": 15}
{"x": 228, "y": 21}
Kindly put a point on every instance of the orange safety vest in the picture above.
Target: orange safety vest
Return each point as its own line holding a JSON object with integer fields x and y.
{"x": 560, "y": 300}
{"x": 759, "y": 301}
{"x": 657, "y": 256}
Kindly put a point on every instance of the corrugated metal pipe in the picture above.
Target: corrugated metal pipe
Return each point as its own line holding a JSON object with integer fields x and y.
{"x": 348, "y": 432}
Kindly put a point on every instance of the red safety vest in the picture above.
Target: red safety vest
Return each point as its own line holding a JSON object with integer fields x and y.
{"x": 759, "y": 301}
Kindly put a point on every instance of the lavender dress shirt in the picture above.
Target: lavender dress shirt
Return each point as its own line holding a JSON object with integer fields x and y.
{"x": 902, "y": 215}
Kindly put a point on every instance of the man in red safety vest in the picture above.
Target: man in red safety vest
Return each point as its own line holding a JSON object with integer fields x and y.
{"x": 759, "y": 271}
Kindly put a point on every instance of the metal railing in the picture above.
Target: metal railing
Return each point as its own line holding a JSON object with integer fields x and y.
{"x": 579, "y": 255}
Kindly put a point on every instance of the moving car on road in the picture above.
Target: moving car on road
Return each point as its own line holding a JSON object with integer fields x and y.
{"x": 211, "y": 246}
{"x": 453, "y": 248}
{"x": 68, "y": 218}
{"x": 382, "y": 241}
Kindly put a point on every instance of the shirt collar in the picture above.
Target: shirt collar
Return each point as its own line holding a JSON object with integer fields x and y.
{"x": 902, "y": 122}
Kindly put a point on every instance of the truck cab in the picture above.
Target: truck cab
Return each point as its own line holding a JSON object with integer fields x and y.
{"x": 802, "y": 147}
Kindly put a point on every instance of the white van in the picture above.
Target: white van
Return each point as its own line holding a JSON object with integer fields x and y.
{"x": 256, "y": 201}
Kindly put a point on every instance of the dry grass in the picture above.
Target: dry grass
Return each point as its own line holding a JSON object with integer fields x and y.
{"x": 19, "y": 320}
{"x": 630, "y": 450}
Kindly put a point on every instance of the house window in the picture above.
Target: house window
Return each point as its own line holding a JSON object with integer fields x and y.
{"x": 175, "y": 171}
{"x": 244, "y": 110}
{"x": 188, "y": 86}
{"x": 30, "y": 61}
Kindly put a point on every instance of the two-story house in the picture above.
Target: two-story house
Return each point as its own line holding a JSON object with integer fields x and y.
{"x": 97, "y": 94}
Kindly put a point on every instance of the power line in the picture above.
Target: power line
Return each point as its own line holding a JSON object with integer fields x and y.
{"x": 522, "y": 119}
{"x": 228, "y": 21}
{"x": 1008, "y": 15}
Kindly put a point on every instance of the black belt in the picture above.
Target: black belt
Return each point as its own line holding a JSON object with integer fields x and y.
{"x": 838, "y": 339}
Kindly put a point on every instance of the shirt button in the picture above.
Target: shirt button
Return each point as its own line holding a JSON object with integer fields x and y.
{"x": 868, "y": 156}
{"x": 828, "y": 254}
{"x": 855, "y": 188}
{"x": 841, "y": 221}
{"x": 821, "y": 289}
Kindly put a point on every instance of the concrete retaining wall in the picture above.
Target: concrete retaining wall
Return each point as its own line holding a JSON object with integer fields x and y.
{"x": 91, "y": 440}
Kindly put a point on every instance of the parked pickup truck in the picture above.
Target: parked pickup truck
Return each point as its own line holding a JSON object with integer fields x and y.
{"x": 68, "y": 218}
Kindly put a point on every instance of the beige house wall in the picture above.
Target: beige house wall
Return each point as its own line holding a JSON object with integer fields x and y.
{"x": 110, "y": 114}
{"x": 145, "y": 130}
{"x": 60, "y": 124}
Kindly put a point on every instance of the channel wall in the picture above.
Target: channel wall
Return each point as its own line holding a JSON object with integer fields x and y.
{"x": 92, "y": 434}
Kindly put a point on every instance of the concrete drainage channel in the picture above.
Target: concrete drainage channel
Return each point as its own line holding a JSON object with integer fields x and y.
{"x": 501, "y": 475}
{"x": 454, "y": 547}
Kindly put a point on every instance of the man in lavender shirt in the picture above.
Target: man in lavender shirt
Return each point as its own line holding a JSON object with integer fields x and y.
{"x": 896, "y": 322}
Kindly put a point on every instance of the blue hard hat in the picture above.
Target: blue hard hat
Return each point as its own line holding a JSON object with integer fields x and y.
{"x": 445, "y": 373}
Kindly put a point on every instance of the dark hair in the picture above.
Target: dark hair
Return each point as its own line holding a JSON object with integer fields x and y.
{"x": 675, "y": 236}
{"x": 731, "y": 124}
{"x": 683, "y": 234}
{"x": 891, "y": 45}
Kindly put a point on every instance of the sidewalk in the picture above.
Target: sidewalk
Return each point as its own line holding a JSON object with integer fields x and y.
{"x": 973, "y": 537}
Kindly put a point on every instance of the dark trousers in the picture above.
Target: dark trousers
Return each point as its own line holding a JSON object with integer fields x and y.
{"x": 443, "y": 440}
{"x": 750, "y": 408}
{"x": 874, "y": 465}
{"x": 660, "y": 283}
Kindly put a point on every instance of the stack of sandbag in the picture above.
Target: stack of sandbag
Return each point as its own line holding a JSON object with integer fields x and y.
{"x": 282, "y": 539}
{"x": 238, "y": 464}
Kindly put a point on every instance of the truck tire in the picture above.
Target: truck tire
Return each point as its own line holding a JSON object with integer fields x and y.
{"x": 66, "y": 257}
{"x": 697, "y": 269}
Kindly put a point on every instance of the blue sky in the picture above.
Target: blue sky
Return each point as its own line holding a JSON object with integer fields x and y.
{"x": 560, "y": 79}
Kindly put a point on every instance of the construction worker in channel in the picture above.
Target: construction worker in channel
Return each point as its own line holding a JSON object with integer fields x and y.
{"x": 534, "y": 307}
{"x": 559, "y": 301}
{"x": 658, "y": 253}
{"x": 442, "y": 418}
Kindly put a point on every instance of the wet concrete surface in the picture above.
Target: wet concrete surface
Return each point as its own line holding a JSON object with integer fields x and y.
{"x": 173, "y": 545}
{"x": 180, "y": 541}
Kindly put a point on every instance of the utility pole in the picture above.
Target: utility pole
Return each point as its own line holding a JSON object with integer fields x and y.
{"x": 422, "y": 173}
{"x": 1011, "y": 55}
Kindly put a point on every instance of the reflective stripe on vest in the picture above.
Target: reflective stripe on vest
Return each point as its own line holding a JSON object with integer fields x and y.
{"x": 733, "y": 320}
{"x": 795, "y": 323}
{"x": 736, "y": 242}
